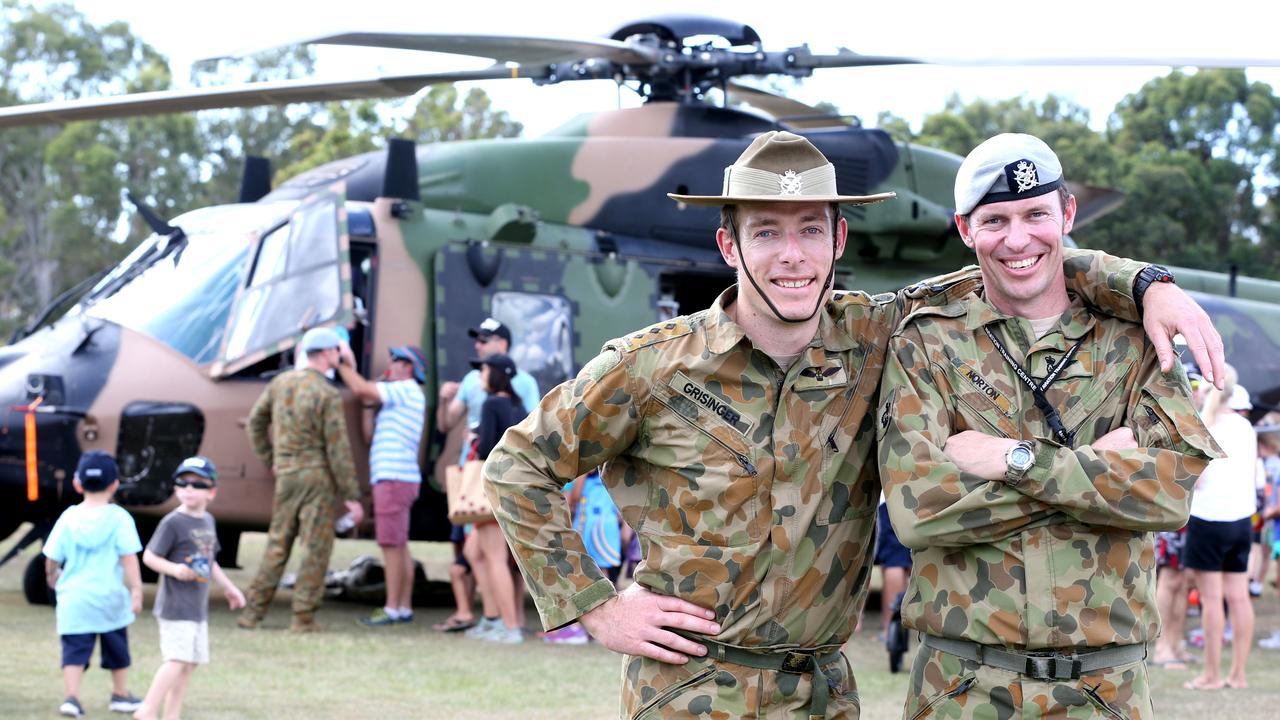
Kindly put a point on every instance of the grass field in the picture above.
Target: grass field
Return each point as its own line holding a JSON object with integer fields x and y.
{"x": 409, "y": 671}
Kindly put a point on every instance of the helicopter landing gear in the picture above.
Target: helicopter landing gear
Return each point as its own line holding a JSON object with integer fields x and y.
{"x": 896, "y": 640}
{"x": 34, "y": 587}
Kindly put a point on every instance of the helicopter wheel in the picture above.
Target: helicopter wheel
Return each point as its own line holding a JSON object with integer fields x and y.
{"x": 34, "y": 586}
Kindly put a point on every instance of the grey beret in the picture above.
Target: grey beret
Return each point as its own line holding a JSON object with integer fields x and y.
{"x": 1010, "y": 166}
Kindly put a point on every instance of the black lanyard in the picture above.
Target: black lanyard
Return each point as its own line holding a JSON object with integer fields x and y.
{"x": 1037, "y": 391}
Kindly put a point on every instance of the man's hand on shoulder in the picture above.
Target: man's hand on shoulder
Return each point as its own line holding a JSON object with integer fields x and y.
{"x": 978, "y": 453}
{"x": 635, "y": 622}
{"x": 448, "y": 391}
{"x": 1169, "y": 311}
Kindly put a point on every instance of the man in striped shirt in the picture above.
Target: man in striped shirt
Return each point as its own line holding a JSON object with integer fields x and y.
{"x": 393, "y": 467}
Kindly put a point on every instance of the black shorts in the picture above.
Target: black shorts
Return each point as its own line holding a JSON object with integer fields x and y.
{"x": 889, "y": 552}
{"x": 1218, "y": 546}
{"x": 76, "y": 649}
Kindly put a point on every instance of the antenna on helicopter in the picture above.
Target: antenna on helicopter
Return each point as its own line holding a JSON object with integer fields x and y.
{"x": 158, "y": 226}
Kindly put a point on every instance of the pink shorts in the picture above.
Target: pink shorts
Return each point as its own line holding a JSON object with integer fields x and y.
{"x": 391, "y": 502}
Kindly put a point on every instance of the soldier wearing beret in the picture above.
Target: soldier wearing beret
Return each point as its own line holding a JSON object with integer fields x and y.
{"x": 739, "y": 443}
{"x": 298, "y": 430}
{"x": 1030, "y": 446}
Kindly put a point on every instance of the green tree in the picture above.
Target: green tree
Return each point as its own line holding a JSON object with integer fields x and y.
{"x": 1198, "y": 170}
{"x": 439, "y": 116}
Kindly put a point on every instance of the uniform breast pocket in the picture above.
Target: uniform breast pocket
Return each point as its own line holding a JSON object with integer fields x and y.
{"x": 704, "y": 484}
{"x": 847, "y": 463}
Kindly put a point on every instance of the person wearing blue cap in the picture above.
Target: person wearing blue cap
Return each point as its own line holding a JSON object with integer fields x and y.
{"x": 393, "y": 467}
{"x": 299, "y": 431}
{"x": 91, "y": 561}
{"x": 1029, "y": 445}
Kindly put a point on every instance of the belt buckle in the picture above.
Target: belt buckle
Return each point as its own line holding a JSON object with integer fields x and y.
{"x": 796, "y": 662}
{"x": 1053, "y": 667}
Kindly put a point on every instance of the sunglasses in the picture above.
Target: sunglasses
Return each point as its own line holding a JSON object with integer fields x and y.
{"x": 199, "y": 485}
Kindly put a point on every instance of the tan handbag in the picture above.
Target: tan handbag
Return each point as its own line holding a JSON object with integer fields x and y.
{"x": 467, "y": 501}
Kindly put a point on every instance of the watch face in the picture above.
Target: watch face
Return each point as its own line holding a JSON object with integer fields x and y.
{"x": 1021, "y": 457}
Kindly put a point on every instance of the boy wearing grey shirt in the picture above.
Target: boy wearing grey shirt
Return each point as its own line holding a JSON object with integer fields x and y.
{"x": 184, "y": 552}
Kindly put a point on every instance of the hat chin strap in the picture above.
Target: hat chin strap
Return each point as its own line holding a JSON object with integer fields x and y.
{"x": 822, "y": 296}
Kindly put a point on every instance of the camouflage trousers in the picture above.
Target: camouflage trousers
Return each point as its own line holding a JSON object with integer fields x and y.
{"x": 303, "y": 511}
{"x": 703, "y": 688}
{"x": 947, "y": 687}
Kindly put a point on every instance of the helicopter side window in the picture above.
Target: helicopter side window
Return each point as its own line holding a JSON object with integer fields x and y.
{"x": 541, "y": 333}
{"x": 271, "y": 257}
{"x": 301, "y": 278}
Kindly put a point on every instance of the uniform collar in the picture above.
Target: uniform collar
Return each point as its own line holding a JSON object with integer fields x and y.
{"x": 723, "y": 334}
{"x": 1075, "y": 323}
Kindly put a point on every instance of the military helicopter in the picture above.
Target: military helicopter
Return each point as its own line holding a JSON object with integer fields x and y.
{"x": 568, "y": 239}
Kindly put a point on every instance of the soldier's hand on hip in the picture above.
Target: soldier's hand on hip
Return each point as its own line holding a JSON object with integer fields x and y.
{"x": 1119, "y": 439}
{"x": 978, "y": 454}
{"x": 1169, "y": 311}
{"x": 635, "y": 622}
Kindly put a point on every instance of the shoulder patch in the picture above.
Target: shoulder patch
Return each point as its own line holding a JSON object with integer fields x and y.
{"x": 883, "y": 298}
{"x": 657, "y": 332}
{"x": 952, "y": 310}
{"x": 947, "y": 288}
{"x": 601, "y": 364}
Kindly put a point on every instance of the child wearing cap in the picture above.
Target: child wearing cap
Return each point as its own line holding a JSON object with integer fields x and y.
{"x": 183, "y": 551}
{"x": 92, "y": 564}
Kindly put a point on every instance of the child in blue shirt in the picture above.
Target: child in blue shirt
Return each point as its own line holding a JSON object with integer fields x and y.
{"x": 92, "y": 563}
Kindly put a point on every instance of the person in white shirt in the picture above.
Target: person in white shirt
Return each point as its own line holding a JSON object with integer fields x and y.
{"x": 1219, "y": 534}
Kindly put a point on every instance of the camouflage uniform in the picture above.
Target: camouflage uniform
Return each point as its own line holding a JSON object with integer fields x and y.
{"x": 1063, "y": 560}
{"x": 308, "y": 449}
{"x": 753, "y": 490}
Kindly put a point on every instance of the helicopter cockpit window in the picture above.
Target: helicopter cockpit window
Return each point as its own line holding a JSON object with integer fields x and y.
{"x": 183, "y": 299}
{"x": 541, "y": 333}
{"x": 300, "y": 279}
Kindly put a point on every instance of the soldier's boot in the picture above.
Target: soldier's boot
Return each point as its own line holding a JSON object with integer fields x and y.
{"x": 305, "y": 623}
{"x": 249, "y": 619}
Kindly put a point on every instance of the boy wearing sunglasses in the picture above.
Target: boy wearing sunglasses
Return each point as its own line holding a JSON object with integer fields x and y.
{"x": 183, "y": 551}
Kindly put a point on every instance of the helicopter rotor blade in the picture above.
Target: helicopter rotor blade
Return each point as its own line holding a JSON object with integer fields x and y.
{"x": 248, "y": 95}
{"x": 792, "y": 113}
{"x": 501, "y": 48}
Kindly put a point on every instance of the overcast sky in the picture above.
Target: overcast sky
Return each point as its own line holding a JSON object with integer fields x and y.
{"x": 1054, "y": 28}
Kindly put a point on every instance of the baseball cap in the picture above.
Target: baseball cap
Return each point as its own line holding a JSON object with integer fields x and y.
{"x": 497, "y": 362}
{"x": 97, "y": 470}
{"x": 1239, "y": 399}
{"x": 319, "y": 338}
{"x": 198, "y": 465}
{"x": 1009, "y": 166}
{"x": 490, "y": 327}
{"x": 412, "y": 355}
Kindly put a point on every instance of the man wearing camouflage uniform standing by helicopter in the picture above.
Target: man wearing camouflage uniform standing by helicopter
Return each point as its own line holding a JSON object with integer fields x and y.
{"x": 739, "y": 443}
{"x": 298, "y": 430}
{"x": 1029, "y": 446}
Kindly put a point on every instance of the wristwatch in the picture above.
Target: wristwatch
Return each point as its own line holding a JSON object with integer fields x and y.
{"x": 1146, "y": 276}
{"x": 1018, "y": 461}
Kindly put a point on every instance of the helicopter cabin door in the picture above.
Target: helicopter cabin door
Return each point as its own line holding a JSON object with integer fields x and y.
{"x": 520, "y": 287}
{"x": 299, "y": 277}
